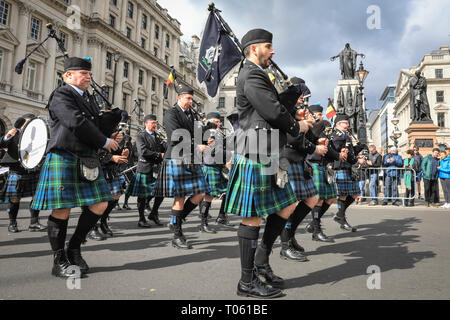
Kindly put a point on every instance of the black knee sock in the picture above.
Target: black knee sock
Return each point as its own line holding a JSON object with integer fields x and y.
{"x": 299, "y": 214}
{"x": 204, "y": 211}
{"x": 57, "y": 231}
{"x": 127, "y": 196}
{"x": 348, "y": 202}
{"x": 248, "y": 242}
{"x": 109, "y": 208}
{"x": 341, "y": 208}
{"x": 177, "y": 222}
{"x": 13, "y": 210}
{"x": 34, "y": 215}
{"x": 157, "y": 204}
{"x": 316, "y": 212}
{"x": 188, "y": 208}
{"x": 222, "y": 207}
{"x": 274, "y": 226}
{"x": 324, "y": 209}
{"x": 87, "y": 221}
{"x": 141, "y": 208}
{"x": 148, "y": 200}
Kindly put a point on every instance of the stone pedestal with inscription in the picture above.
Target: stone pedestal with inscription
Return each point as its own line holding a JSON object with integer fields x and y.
{"x": 422, "y": 135}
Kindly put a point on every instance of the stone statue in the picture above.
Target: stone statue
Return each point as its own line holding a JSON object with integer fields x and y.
{"x": 420, "y": 108}
{"x": 341, "y": 102}
{"x": 348, "y": 64}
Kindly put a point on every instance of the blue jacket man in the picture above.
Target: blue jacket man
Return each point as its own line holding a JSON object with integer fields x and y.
{"x": 393, "y": 160}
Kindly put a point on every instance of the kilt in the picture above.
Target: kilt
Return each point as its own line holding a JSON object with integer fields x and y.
{"x": 174, "y": 181}
{"x": 129, "y": 187}
{"x": 60, "y": 186}
{"x": 302, "y": 188}
{"x": 345, "y": 185}
{"x": 116, "y": 186}
{"x": 326, "y": 191}
{"x": 251, "y": 193}
{"x": 142, "y": 185}
{"x": 20, "y": 185}
{"x": 215, "y": 180}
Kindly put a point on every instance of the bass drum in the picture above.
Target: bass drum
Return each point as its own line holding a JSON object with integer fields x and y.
{"x": 33, "y": 144}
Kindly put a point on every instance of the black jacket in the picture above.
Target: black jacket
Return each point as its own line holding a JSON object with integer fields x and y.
{"x": 259, "y": 108}
{"x": 149, "y": 149}
{"x": 340, "y": 140}
{"x": 74, "y": 124}
{"x": 377, "y": 162}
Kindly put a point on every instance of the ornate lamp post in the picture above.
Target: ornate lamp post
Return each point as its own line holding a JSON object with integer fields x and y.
{"x": 362, "y": 74}
{"x": 396, "y": 133}
{"x": 116, "y": 57}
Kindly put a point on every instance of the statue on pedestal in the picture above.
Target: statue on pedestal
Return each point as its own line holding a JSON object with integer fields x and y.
{"x": 420, "y": 108}
{"x": 348, "y": 64}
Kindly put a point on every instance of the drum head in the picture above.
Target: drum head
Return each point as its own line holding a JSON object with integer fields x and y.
{"x": 3, "y": 171}
{"x": 33, "y": 143}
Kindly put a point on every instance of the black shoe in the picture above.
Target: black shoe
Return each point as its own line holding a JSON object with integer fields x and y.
{"x": 35, "y": 227}
{"x": 181, "y": 243}
{"x": 205, "y": 228}
{"x": 288, "y": 252}
{"x": 12, "y": 228}
{"x": 267, "y": 272}
{"x": 223, "y": 220}
{"x": 144, "y": 224}
{"x": 95, "y": 235}
{"x": 117, "y": 207}
{"x": 344, "y": 224}
{"x": 155, "y": 218}
{"x": 75, "y": 258}
{"x": 320, "y": 236}
{"x": 384, "y": 204}
{"x": 62, "y": 267}
{"x": 296, "y": 245}
{"x": 309, "y": 228}
{"x": 126, "y": 207}
{"x": 396, "y": 204}
{"x": 257, "y": 289}
{"x": 105, "y": 229}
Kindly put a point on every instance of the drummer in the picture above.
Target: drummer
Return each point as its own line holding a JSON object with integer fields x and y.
{"x": 21, "y": 183}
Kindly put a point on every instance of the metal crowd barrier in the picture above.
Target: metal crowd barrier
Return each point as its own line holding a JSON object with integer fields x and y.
{"x": 389, "y": 184}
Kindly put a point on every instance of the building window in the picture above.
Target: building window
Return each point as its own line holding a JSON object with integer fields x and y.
{"x": 153, "y": 84}
{"x": 31, "y": 76}
{"x": 1, "y": 63}
{"x": 113, "y": 2}
{"x": 35, "y": 28}
{"x": 222, "y": 102}
{"x": 439, "y": 96}
{"x": 130, "y": 9}
{"x": 165, "y": 91}
{"x": 108, "y": 60}
{"x": 154, "y": 108}
{"x": 166, "y": 59}
{"x": 4, "y": 13}
{"x": 141, "y": 77}
{"x": 235, "y": 81}
{"x": 112, "y": 21}
{"x": 156, "y": 31}
{"x": 124, "y": 101}
{"x": 63, "y": 38}
{"x": 235, "y": 102}
{"x": 167, "y": 41}
{"x": 143, "y": 43}
{"x": 59, "y": 79}
{"x": 128, "y": 33}
{"x": 125, "y": 69}
{"x": 155, "y": 51}
{"x": 439, "y": 73}
{"x": 441, "y": 119}
{"x": 144, "y": 22}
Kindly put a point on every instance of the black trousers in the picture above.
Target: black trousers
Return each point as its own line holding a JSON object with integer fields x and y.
{"x": 446, "y": 186}
{"x": 431, "y": 191}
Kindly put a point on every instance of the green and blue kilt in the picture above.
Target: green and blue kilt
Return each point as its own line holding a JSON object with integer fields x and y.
{"x": 21, "y": 185}
{"x": 303, "y": 189}
{"x": 345, "y": 185}
{"x": 130, "y": 187}
{"x": 142, "y": 185}
{"x": 215, "y": 180}
{"x": 326, "y": 191}
{"x": 175, "y": 181}
{"x": 60, "y": 186}
{"x": 116, "y": 186}
{"x": 252, "y": 193}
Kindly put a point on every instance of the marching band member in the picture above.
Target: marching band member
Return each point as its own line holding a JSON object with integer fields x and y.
{"x": 71, "y": 176}
{"x": 21, "y": 183}
{"x": 252, "y": 192}
{"x": 150, "y": 152}
{"x": 179, "y": 176}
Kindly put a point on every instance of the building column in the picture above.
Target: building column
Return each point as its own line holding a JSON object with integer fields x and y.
{"x": 119, "y": 84}
{"x": 21, "y": 50}
{"x": 49, "y": 68}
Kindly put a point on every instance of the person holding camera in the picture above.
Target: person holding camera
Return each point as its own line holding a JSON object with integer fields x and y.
{"x": 392, "y": 161}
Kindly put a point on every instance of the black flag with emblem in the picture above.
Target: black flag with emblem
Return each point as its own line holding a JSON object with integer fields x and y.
{"x": 218, "y": 55}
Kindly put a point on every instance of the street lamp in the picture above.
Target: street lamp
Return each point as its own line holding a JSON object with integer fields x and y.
{"x": 116, "y": 57}
{"x": 362, "y": 126}
{"x": 396, "y": 133}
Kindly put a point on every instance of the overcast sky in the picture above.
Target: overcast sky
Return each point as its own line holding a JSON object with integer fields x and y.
{"x": 307, "y": 33}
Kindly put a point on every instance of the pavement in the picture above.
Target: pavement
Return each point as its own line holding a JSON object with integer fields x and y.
{"x": 397, "y": 253}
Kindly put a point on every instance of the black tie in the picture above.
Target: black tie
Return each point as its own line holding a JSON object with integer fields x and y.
{"x": 86, "y": 97}
{"x": 188, "y": 114}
